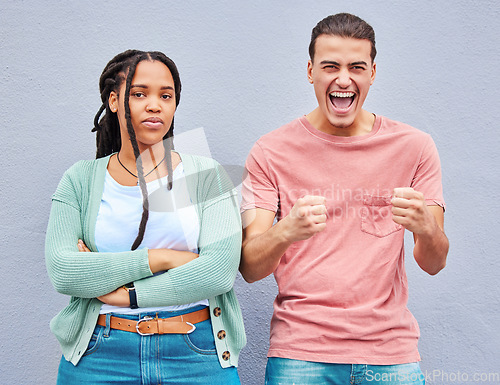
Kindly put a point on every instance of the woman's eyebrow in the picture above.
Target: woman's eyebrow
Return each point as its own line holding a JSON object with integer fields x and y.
{"x": 145, "y": 86}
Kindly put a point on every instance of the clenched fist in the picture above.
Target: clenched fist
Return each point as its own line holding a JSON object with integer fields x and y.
{"x": 306, "y": 218}
{"x": 410, "y": 210}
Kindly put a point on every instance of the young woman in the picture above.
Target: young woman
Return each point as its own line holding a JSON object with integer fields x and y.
{"x": 146, "y": 241}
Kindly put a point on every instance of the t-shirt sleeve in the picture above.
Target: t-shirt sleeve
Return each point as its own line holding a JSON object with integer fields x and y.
{"x": 259, "y": 190}
{"x": 427, "y": 177}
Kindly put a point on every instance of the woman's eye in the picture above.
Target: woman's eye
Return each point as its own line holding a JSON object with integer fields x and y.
{"x": 166, "y": 96}
{"x": 138, "y": 94}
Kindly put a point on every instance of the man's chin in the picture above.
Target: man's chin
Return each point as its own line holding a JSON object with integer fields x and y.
{"x": 341, "y": 123}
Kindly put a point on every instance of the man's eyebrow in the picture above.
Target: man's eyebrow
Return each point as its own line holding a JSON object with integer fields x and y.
{"x": 146, "y": 87}
{"x": 361, "y": 62}
{"x": 329, "y": 62}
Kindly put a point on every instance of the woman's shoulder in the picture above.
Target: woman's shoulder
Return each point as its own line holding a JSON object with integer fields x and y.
{"x": 80, "y": 174}
{"x": 197, "y": 162}
{"x": 204, "y": 168}
{"x": 206, "y": 173}
{"x": 85, "y": 168}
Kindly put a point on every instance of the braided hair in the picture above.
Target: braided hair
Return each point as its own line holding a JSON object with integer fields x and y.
{"x": 108, "y": 139}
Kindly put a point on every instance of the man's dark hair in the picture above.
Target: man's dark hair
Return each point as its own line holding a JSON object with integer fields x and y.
{"x": 343, "y": 25}
{"x": 108, "y": 140}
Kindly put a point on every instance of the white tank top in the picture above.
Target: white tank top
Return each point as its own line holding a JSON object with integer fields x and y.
{"x": 172, "y": 224}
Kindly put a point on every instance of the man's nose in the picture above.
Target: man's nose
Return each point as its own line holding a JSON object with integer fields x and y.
{"x": 344, "y": 78}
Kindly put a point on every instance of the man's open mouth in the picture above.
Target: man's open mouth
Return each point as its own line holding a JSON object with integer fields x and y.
{"x": 342, "y": 100}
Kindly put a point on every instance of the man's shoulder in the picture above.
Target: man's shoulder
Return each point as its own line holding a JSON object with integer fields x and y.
{"x": 286, "y": 132}
{"x": 394, "y": 126}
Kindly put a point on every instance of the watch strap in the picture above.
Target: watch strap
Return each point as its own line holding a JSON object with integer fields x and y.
{"x": 132, "y": 295}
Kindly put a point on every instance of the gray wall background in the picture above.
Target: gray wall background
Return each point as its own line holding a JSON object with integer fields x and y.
{"x": 243, "y": 70}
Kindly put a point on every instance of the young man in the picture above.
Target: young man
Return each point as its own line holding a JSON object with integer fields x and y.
{"x": 343, "y": 184}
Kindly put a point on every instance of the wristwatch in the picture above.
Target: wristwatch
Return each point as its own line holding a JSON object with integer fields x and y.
{"x": 131, "y": 294}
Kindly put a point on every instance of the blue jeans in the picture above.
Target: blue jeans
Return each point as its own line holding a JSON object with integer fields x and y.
{"x": 120, "y": 357}
{"x": 282, "y": 371}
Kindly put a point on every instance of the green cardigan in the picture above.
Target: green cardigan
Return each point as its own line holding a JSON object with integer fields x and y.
{"x": 85, "y": 276}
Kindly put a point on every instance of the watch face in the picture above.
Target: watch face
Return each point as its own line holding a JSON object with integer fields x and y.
{"x": 130, "y": 285}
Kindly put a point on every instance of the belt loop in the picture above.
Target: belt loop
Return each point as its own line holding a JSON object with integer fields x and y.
{"x": 108, "y": 325}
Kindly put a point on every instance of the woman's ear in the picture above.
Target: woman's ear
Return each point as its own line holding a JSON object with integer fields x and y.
{"x": 113, "y": 101}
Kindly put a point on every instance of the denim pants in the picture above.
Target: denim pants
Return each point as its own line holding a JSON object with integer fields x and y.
{"x": 283, "y": 371}
{"x": 120, "y": 357}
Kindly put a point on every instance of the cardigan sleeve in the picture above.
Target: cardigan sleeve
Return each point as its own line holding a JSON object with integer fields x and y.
{"x": 84, "y": 274}
{"x": 219, "y": 244}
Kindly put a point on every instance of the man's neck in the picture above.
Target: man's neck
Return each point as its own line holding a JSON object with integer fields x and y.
{"x": 362, "y": 125}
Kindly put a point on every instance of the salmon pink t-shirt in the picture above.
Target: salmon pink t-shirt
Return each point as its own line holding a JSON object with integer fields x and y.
{"x": 343, "y": 293}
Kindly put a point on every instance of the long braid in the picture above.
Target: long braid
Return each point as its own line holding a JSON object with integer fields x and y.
{"x": 108, "y": 139}
{"x": 168, "y": 144}
{"x": 108, "y": 136}
{"x": 137, "y": 154}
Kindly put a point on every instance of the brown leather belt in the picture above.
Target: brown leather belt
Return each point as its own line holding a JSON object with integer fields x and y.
{"x": 182, "y": 324}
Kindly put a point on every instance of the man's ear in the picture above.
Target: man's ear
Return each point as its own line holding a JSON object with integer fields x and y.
{"x": 374, "y": 72}
{"x": 309, "y": 71}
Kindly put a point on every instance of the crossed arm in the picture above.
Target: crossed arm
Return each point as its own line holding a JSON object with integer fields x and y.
{"x": 79, "y": 272}
{"x": 159, "y": 260}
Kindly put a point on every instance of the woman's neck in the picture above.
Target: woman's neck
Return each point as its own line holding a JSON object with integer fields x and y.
{"x": 150, "y": 156}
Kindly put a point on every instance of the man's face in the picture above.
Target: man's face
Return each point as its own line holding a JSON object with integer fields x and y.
{"x": 342, "y": 73}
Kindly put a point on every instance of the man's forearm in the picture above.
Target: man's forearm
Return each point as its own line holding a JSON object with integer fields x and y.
{"x": 265, "y": 244}
{"x": 430, "y": 251}
{"x": 261, "y": 254}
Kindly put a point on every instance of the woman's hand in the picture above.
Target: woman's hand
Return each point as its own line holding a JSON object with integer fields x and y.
{"x": 119, "y": 297}
{"x": 166, "y": 259}
{"x": 82, "y": 246}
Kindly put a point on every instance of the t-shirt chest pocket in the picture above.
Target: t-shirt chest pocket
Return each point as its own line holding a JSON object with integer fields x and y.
{"x": 376, "y": 216}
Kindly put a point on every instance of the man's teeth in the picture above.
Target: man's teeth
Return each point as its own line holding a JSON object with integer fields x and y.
{"x": 342, "y": 94}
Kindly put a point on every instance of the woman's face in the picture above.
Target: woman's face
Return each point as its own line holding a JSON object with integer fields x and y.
{"x": 152, "y": 103}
